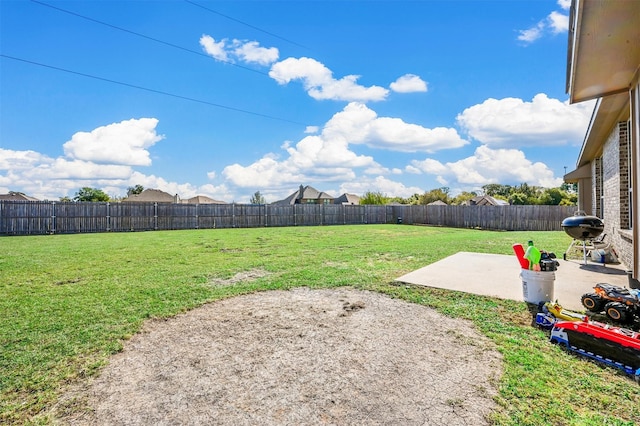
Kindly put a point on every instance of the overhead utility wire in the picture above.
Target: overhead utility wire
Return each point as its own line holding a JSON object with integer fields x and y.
{"x": 271, "y": 117}
{"x": 166, "y": 43}
{"x": 246, "y": 24}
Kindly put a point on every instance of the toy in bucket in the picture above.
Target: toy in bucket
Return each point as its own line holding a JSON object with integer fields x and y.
{"x": 533, "y": 256}
{"x": 546, "y": 261}
{"x": 537, "y": 272}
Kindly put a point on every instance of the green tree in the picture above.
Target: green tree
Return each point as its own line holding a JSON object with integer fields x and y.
{"x": 441, "y": 194}
{"x": 134, "y": 190}
{"x": 519, "y": 199}
{"x": 65, "y": 199}
{"x": 398, "y": 200}
{"x": 257, "y": 198}
{"x": 569, "y": 187}
{"x": 414, "y": 199}
{"x": 571, "y": 200}
{"x": 463, "y": 197}
{"x": 495, "y": 189}
{"x": 90, "y": 194}
{"x": 552, "y": 196}
{"x": 374, "y": 198}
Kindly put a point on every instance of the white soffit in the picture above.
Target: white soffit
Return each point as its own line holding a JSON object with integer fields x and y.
{"x": 606, "y": 48}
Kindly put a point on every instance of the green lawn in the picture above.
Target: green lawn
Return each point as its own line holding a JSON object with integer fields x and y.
{"x": 67, "y": 302}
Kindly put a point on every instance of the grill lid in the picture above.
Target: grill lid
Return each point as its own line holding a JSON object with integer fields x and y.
{"x": 583, "y": 227}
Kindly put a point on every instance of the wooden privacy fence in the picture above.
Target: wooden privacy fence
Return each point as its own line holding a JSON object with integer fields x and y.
{"x": 46, "y": 217}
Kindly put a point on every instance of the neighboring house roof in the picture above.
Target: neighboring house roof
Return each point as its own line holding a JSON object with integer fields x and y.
{"x": 16, "y": 196}
{"x": 437, "y": 203}
{"x": 347, "y": 199}
{"x": 303, "y": 194}
{"x": 201, "y": 199}
{"x": 152, "y": 196}
{"x": 486, "y": 200}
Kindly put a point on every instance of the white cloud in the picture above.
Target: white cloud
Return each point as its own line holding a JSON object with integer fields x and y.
{"x": 558, "y": 22}
{"x": 61, "y": 168}
{"x": 311, "y": 159}
{"x": 409, "y": 83}
{"x": 442, "y": 181}
{"x": 514, "y": 122}
{"x": 239, "y": 50}
{"x": 118, "y": 143}
{"x": 380, "y": 184}
{"x": 213, "y": 48}
{"x": 20, "y": 160}
{"x": 311, "y": 129}
{"x": 319, "y": 83}
{"x": 532, "y": 34}
{"x": 412, "y": 170}
{"x": 487, "y": 165}
{"x": 555, "y": 23}
{"x": 316, "y": 78}
{"x": 430, "y": 166}
{"x": 252, "y": 52}
{"x": 328, "y": 158}
{"x": 359, "y": 124}
{"x": 92, "y": 161}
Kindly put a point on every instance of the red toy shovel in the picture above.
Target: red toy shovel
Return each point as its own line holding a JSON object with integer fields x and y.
{"x": 518, "y": 249}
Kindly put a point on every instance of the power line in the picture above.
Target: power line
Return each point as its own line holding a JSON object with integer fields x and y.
{"x": 246, "y": 24}
{"x": 161, "y": 92}
{"x": 166, "y": 43}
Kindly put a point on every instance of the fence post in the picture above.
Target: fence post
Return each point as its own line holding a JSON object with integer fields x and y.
{"x": 155, "y": 216}
{"x": 53, "y": 217}
{"x": 197, "y": 223}
{"x": 108, "y": 217}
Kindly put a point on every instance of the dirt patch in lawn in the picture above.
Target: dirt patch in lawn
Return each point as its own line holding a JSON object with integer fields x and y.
{"x": 246, "y": 276}
{"x": 338, "y": 356}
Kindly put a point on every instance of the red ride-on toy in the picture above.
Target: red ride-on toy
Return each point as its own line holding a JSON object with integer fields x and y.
{"x": 618, "y": 303}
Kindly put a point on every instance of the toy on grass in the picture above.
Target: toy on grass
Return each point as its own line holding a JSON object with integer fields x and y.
{"x": 551, "y": 312}
{"x": 618, "y": 303}
{"x": 614, "y": 346}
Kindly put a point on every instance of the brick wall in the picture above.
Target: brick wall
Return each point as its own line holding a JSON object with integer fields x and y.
{"x": 623, "y": 155}
{"x": 615, "y": 206}
{"x": 596, "y": 196}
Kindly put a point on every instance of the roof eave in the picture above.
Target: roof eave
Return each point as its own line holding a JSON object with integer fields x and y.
{"x": 607, "y": 112}
{"x": 602, "y": 54}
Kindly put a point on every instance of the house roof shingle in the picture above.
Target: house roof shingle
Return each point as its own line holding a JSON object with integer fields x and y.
{"x": 202, "y": 199}
{"x": 16, "y": 196}
{"x": 151, "y": 196}
{"x": 347, "y": 199}
{"x": 304, "y": 193}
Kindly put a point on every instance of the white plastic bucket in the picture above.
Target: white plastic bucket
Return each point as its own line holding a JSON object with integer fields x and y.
{"x": 537, "y": 286}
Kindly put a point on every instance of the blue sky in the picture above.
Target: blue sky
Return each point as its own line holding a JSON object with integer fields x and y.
{"x": 225, "y": 98}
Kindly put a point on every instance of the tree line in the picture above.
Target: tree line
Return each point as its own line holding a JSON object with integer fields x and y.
{"x": 523, "y": 194}
{"x": 98, "y": 195}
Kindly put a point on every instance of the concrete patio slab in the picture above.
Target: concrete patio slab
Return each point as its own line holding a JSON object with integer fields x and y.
{"x": 498, "y": 276}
